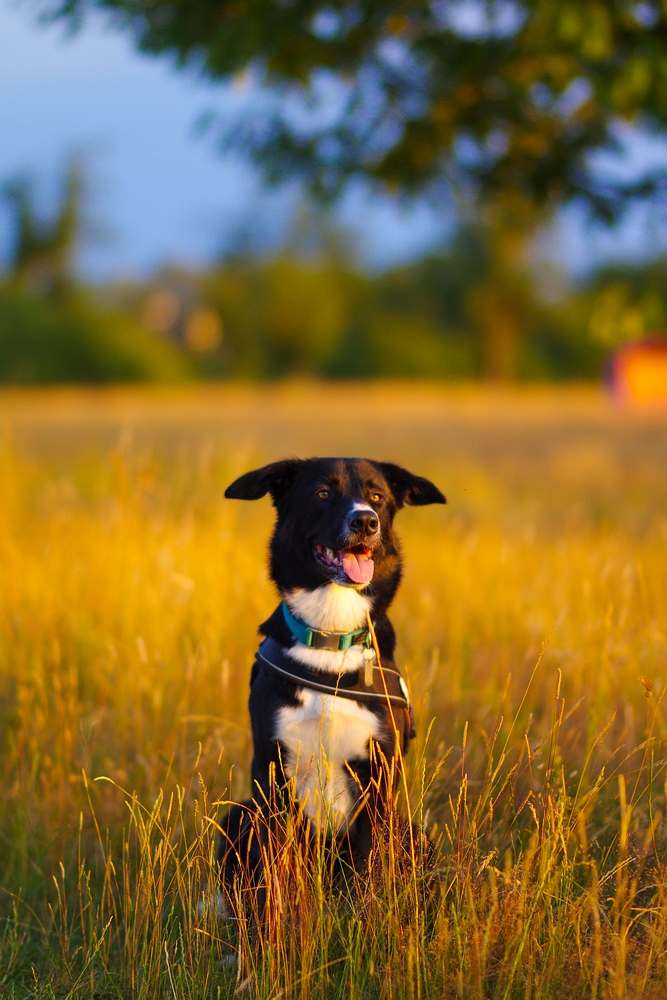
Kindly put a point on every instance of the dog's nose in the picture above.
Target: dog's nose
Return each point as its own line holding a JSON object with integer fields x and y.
{"x": 364, "y": 522}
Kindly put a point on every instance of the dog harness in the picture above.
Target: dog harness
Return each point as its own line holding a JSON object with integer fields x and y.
{"x": 387, "y": 684}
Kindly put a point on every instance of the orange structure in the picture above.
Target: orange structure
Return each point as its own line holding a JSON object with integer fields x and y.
{"x": 638, "y": 374}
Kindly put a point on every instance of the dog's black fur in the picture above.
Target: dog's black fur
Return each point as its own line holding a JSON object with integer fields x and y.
{"x": 323, "y": 506}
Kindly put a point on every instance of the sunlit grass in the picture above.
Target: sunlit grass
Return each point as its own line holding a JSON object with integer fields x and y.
{"x": 531, "y": 610}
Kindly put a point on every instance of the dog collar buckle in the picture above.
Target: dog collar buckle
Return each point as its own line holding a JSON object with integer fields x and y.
{"x": 319, "y": 639}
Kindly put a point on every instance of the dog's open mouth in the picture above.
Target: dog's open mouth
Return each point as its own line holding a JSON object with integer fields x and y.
{"x": 356, "y": 562}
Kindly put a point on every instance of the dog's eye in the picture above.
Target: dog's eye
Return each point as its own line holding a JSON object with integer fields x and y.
{"x": 323, "y": 494}
{"x": 376, "y": 497}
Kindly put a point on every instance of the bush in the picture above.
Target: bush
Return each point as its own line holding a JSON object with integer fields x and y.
{"x": 70, "y": 340}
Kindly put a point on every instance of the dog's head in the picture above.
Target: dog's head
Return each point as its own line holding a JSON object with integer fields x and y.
{"x": 335, "y": 521}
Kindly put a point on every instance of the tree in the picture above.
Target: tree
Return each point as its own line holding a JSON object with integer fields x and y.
{"x": 50, "y": 329}
{"x": 487, "y": 96}
{"x": 42, "y": 250}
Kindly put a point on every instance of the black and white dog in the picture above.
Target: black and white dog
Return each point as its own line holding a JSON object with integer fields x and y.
{"x": 321, "y": 704}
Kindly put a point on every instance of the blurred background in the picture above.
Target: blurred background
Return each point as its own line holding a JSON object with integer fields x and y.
{"x": 163, "y": 219}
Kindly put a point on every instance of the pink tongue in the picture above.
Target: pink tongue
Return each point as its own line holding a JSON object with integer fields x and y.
{"x": 358, "y": 567}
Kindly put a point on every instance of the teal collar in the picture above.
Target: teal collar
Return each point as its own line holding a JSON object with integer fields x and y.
{"x": 318, "y": 639}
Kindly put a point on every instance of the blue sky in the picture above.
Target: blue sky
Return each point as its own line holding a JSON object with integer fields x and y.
{"x": 161, "y": 192}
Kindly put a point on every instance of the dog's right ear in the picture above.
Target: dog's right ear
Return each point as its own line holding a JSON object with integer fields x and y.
{"x": 275, "y": 479}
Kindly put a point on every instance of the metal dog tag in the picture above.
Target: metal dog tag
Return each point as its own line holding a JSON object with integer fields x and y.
{"x": 369, "y": 657}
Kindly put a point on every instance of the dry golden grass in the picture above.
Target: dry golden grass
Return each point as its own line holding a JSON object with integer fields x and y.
{"x": 130, "y": 594}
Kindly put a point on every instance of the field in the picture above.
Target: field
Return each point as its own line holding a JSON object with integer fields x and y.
{"x": 532, "y": 625}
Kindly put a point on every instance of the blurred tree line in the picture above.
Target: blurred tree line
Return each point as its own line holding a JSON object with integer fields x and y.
{"x": 479, "y": 308}
{"x": 51, "y": 328}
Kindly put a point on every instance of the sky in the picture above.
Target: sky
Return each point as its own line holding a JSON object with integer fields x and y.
{"x": 159, "y": 191}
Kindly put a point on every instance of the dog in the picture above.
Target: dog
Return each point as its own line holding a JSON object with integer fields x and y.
{"x": 327, "y": 704}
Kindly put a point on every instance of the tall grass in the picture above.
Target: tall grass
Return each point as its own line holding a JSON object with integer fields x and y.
{"x": 531, "y": 625}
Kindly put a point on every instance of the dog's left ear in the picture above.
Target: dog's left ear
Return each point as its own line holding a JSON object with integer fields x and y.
{"x": 408, "y": 488}
{"x": 275, "y": 479}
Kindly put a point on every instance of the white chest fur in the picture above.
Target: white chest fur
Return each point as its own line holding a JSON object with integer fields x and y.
{"x": 329, "y": 607}
{"x": 319, "y": 736}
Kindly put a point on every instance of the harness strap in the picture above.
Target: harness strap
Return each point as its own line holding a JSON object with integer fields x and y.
{"x": 396, "y": 689}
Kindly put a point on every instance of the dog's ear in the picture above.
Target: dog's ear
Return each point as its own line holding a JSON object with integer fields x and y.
{"x": 408, "y": 488}
{"x": 275, "y": 479}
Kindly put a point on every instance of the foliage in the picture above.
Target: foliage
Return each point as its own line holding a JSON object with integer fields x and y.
{"x": 628, "y": 302}
{"x": 69, "y": 339}
{"x": 464, "y": 313}
{"x": 281, "y": 316}
{"x": 42, "y": 251}
{"x": 509, "y": 96}
{"x": 471, "y": 311}
{"x": 532, "y": 605}
{"x": 50, "y": 330}
{"x": 475, "y": 309}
